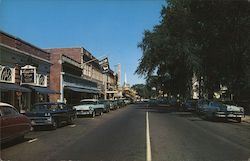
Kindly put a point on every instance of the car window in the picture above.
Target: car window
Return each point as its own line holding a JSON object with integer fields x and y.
{"x": 62, "y": 107}
{"x": 87, "y": 102}
{"x": 44, "y": 107}
{"x": 5, "y": 111}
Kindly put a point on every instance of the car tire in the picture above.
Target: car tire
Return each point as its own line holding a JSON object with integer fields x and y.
{"x": 70, "y": 120}
{"x": 238, "y": 119}
{"x": 54, "y": 124}
{"x": 93, "y": 114}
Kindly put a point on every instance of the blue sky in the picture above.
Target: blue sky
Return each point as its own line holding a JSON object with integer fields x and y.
{"x": 111, "y": 27}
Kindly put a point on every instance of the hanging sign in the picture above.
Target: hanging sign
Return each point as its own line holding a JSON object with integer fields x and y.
{"x": 28, "y": 74}
{"x": 104, "y": 63}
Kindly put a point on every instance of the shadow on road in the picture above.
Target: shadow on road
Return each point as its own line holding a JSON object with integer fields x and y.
{"x": 14, "y": 142}
{"x": 191, "y": 115}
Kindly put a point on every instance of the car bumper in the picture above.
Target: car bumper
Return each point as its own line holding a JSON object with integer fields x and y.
{"x": 229, "y": 114}
{"x": 82, "y": 113}
{"x": 41, "y": 121}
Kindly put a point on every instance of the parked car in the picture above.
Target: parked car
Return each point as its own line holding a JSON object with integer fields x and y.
{"x": 201, "y": 103}
{"x": 121, "y": 103}
{"x": 235, "y": 112}
{"x": 112, "y": 105}
{"x": 115, "y": 104}
{"x": 189, "y": 105}
{"x": 218, "y": 110}
{"x": 153, "y": 102}
{"x": 127, "y": 101}
{"x": 90, "y": 107}
{"x": 51, "y": 114}
{"x": 107, "y": 105}
{"x": 13, "y": 124}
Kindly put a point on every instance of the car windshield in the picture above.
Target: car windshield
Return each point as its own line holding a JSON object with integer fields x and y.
{"x": 103, "y": 101}
{"x": 44, "y": 107}
{"x": 87, "y": 102}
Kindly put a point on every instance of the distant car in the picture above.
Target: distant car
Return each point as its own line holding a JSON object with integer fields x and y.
{"x": 112, "y": 105}
{"x": 189, "y": 105}
{"x": 115, "y": 104}
{"x": 51, "y": 114}
{"x": 90, "y": 107}
{"x": 13, "y": 124}
{"x": 107, "y": 105}
{"x": 121, "y": 103}
{"x": 153, "y": 102}
{"x": 127, "y": 101}
{"x": 201, "y": 103}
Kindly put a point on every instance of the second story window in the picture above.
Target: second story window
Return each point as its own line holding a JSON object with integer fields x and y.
{"x": 6, "y": 74}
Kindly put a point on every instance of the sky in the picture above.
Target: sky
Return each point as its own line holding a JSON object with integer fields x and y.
{"x": 110, "y": 28}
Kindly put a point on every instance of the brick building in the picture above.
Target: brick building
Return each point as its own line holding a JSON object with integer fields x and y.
{"x": 24, "y": 72}
{"x": 76, "y": 73}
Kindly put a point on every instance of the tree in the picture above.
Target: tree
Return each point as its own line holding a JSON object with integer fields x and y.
{"x": 208, "y": 38}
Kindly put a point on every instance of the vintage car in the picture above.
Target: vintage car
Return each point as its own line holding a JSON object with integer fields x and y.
{"x": 107, "y": 105}
{"x": 235, "y": 112}
{"x": 52, "y": 114}
{"x": 121, "y": 103}
{"x": 201, "y": 103}
{"x": 90, "y": 107}
{"x": 218, "y": 110}
{"x": 189, "y": 105}
{"x": 115, "y": 104}
{"x": 13, "y": 124}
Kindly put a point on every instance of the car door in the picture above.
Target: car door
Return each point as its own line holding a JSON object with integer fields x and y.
{"x": 9, "y": 122}
{"x": 63, "y": 112}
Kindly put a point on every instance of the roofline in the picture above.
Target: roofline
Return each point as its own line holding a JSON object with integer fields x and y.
{"x": 25, "y": 53}
{"x": 17, "y": 38}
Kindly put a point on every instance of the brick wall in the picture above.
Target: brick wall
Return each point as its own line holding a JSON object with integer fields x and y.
{"x": 74, "y": 53}
{"x": 23, "y": 46}
{"x": 55, "y": 71}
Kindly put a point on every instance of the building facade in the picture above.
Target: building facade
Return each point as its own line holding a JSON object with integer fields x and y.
{"x": 77, "y": 74}
{"x": 24, "y": 72}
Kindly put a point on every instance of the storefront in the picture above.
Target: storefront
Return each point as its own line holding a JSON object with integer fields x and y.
{"x": 37, "y": 83}
{"x": 10, "y": 92}
{"x": 77, "y": 88}
{"x": 24, "y": 73}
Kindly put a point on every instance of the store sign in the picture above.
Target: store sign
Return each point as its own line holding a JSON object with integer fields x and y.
{"x": 28, "y": 76}
{"x": 6, "y": 74}
{"x": 104, "y": 63}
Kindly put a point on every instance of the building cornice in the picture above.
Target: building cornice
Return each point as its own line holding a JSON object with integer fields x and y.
{"x": 25, "y": 53}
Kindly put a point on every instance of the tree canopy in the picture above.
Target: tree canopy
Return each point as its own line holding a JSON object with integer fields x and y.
{"x": 207, "y": 38}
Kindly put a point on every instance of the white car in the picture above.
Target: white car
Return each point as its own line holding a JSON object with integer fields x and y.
{"x": 218, "y": 110}
{"x": 235, "y": 112}
{"x": 90, "y": 107}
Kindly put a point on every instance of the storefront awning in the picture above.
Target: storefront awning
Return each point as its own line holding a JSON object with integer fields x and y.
{"x": 83, "y": 90}
{"x": 13, "y": 87}
{"x": 44, "y": 90}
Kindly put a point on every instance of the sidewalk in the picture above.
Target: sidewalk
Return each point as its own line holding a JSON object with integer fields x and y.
{"x": 246, "y": 119}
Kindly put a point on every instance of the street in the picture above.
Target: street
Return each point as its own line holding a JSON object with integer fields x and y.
{"x": 122, "y": 135}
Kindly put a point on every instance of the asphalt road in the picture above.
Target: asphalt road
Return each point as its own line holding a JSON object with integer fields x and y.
{"x": 122, "y": 135}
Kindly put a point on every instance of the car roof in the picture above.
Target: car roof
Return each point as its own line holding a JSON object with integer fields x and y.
{"x": 5, "y": 104}
{"x": 85, "y": 100}
{"x": 49, "y": 103}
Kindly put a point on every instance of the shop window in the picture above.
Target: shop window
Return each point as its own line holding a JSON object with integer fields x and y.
{"x": 6, "y": 74}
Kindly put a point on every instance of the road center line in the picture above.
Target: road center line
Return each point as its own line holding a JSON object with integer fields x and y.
{"x": 149, "y": 157}
{"x": 33, "y": 140}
